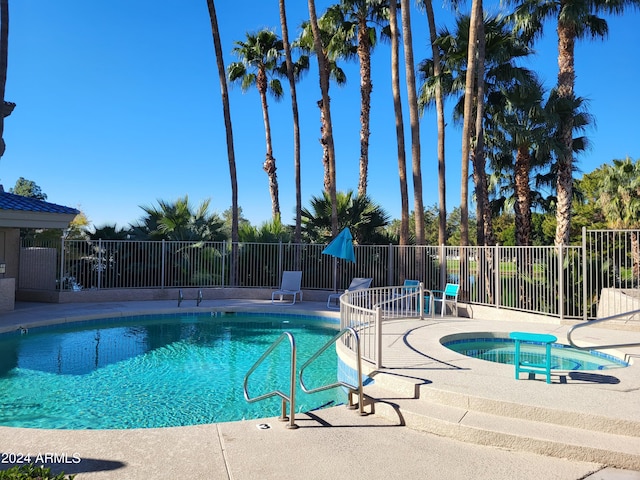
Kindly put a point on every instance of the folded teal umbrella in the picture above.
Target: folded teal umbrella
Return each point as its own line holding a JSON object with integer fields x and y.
{"x": 340, "y": 247}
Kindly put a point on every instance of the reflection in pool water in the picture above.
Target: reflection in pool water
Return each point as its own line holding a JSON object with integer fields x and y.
{"x": 157, "y": 371}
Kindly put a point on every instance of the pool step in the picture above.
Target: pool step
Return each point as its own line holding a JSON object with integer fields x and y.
{"x": 544, "y": 432}
{"x": 555, "y": 416}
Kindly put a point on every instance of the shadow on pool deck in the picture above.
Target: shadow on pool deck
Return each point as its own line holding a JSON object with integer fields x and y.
{"x": 593, "y": 378}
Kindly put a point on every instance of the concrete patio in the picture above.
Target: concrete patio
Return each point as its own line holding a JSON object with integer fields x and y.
{"x": 438, "y": 414}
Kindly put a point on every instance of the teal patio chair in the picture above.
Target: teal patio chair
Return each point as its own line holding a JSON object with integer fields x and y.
{"x": 408, "y": 287}
{"x": 448, "y": 296}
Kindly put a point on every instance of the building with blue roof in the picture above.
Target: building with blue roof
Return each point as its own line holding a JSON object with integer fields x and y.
{"x": 18, "y": 212}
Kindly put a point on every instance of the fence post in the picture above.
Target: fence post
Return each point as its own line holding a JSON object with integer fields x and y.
{"x": 61, "y": 281}
{"x": 280, "y": 262}
{"x": 390, "y": 265}
{"x": 585, "y": 303}
{"x": 378, "y": 337}
{"x": 162, "y": 253}
{"x": 443, "y": 267}
{"x": 99, "y": 266}
{"x": 496, "y": 260}
{"x": 561, "y": 282}
{"x": 224, "y": 258}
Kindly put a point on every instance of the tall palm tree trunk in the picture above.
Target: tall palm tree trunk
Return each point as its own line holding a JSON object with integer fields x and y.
{"x": 414, "y": 119}
{"x": 4, "y": 53}
{"x": 364, "y": 55}
{"x": 437, "y": 71}
{"x": 522, "y": 206}
{"x": 479, "y": 159}
{"x": 485, "y": 234}
{"x": 297, "y": 235}
{"x": 397, "y": 107}
{"x": 230, "y": 150}
{"x": 269, "y": 165}
{"x": 467, "y": 125}
{"x": 402, "y": 158}
{"x": 566, "y": 82}
{"x": 327, "y": 133}
{"x": 326, "y": 182}
{"x": 522, "y": 210}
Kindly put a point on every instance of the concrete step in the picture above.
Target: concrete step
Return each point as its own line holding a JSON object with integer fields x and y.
{"x": 433, "y": 414}
{"x": 535, "y": 411}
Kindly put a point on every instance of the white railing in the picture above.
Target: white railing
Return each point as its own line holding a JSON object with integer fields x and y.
{"x": 364, "y": 311}
{"x": 585, "y": 281}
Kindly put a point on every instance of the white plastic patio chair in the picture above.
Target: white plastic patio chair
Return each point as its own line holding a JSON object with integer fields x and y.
{"x": 448, "y": 296}
{"x": 356, "y": 284}
{"x": 291, "y": 285}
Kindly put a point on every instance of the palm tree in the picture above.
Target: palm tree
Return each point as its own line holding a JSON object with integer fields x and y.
{"x": 517, "y": 114}
{"x": 261, "y": 55}
{"x": 229, "y": 137}
{"x": 333, "y": 48}
{"x": 296, "y": 121}
{"x": 327, "y": 132}
{"x": 499, "y": 73}
{"x": 178, "y": 221}
{"x": 485, "y": 234}
{"x": 357, "y": 19}
{"x": 620, "y": 201}
{"x": 414, "y": 119}
{"x": 439, "y": 99}
{"x": 365, "y": 219}
{"x": 272, "y": 231}
{"x": 476, "y": 11}
{"x": 109, "y": 232}
{"x": 518, "y": 124}
{"x": 576, "y": 19}
{"x": 397, "y": 107}
{"x": 557, "y": 109}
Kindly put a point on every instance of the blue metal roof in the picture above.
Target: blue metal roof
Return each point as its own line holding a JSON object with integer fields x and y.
{"x": 10, "y": 201}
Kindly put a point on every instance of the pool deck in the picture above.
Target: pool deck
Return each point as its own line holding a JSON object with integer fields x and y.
{"x": 437, "y": 414}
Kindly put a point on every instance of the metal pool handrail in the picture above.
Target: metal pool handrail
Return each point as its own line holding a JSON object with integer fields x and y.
{"x": 594, "y": 322}
{"x": 292, "y": 388}
{"x": 352, "y": 388}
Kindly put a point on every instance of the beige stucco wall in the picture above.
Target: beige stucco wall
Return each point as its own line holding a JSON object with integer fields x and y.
{"x": 10, "y": 251}
{"x": 10, "y": 256}
{"x": 7, "y": 294}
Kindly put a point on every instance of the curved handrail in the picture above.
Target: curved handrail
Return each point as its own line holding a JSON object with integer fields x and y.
{"x": 352, "y": 388}
{"x": 600, "y": 320}
{"x": 282, "y": 395}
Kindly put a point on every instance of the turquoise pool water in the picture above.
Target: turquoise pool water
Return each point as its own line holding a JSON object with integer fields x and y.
{"x": 158, "y": 371}
{"x": 501, "y": 350}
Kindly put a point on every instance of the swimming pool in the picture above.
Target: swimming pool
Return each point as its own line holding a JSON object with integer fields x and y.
{"x": 499, "y": 348}
{"x": 158, "y": 371}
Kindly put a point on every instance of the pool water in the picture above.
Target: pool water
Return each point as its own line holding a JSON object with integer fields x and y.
{"x": 501, "y": 350}
{"x": 158, "y": 371}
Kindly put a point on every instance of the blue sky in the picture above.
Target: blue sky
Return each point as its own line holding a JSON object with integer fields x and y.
{"x": 118, "y": 105}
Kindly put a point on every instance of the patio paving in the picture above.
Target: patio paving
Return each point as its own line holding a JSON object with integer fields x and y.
{"x": 429, "y": 400}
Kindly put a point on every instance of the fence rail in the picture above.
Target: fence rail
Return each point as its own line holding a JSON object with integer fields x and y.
{"x": 568, "y": 282}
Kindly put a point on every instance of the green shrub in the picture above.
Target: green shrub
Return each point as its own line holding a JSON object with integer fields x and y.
{"x": 31, "y": 472}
